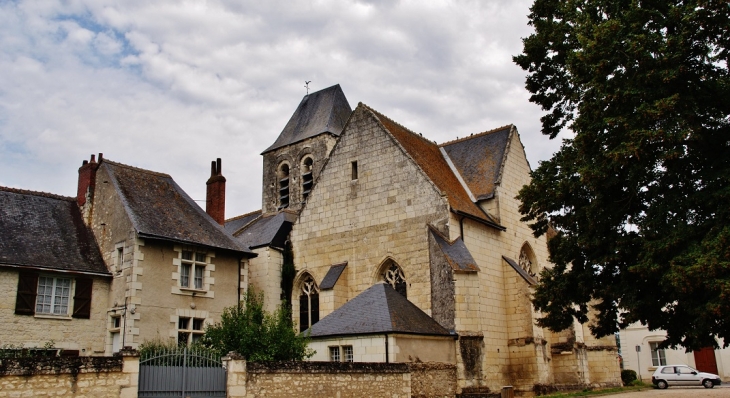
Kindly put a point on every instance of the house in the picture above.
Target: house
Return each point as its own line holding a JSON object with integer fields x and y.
{"x": 174, "y": 268}
{"x": 131, "y": 259}
{"x": 377, "y": 203}
{"x": 55, "y": 283}
{"x": 641, "y": 352}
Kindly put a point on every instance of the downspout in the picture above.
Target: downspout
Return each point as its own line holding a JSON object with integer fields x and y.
{"x": 238, "y": 287}
{"x": 387, "y": 357}
{"x": 461, "y": 227}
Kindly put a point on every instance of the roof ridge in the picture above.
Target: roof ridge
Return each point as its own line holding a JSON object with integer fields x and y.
{"x": 379, "y": 115}
{"x": 156, "y": 173}
{"x": 37, "y": 193}
{"x": 250, "y": 213}
{"x": 506, "y": 126}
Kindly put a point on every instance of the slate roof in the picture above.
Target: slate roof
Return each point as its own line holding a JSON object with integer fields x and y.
{"x": 527, "y": 277}
{"x": 332, "y": 276}
{"x": 234, "y": 224}
{"x": 428, "y": 157}
{"x": 266, "y": 231}
{"x": 46, "y": 231}
{"x": 478, "y": 159}
{"x": 160, "y": 209}
{"x": 456, "y": 253}
{"x": 324, "y": 111}
{"x": 379, "y": 309}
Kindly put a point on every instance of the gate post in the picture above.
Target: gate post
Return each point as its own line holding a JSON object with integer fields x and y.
{"x": 235, "y": 375}
{"x": 130, "y": 369}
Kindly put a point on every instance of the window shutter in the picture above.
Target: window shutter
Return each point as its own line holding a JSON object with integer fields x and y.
{"x": 315, "y": 308}
{"x": 303, "y": 313}
{"x": 27, "y": 288}
{"x": 82, "y": 298}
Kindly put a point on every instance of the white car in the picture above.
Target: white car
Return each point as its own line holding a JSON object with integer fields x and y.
{"x": 683, "y": 375}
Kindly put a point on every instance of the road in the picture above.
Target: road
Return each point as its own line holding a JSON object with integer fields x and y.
{"x": 677, "y": 392}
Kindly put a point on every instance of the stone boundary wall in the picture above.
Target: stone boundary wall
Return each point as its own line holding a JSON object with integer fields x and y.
{"x": 339, "y": 379}
{"x": 82, "y": 377}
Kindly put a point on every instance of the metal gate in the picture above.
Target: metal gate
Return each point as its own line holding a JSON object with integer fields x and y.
{"x": 181, "y": 372}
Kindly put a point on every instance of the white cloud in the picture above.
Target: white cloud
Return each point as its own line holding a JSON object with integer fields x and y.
{"x": 170, "y": 86}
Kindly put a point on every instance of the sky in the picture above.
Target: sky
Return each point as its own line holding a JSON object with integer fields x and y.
{"x": 170, "y": 86}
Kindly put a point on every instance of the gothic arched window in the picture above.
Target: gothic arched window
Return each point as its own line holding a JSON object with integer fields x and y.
{"x": 283, "y": 186}
{"x": 308, "y": 303}
{"x": 527, "y": 260}
{"x": 393, "y": 275}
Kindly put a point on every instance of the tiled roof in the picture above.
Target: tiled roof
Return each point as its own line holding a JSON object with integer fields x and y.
{"x": 332, "y": 276}
{"x": 270, "y": 230}
{"x": 455, "y": 253}
{"x": 46, "y": 231}
{"x": 379, "y": 309}
{"x": 478, "y": 159}
{"x": 527, "y": 277}
{"x": 160, "y": 209}
{"x": 428, "y": 157}
{"x": 235, "y": 223}
{"x": 324, "y": 111}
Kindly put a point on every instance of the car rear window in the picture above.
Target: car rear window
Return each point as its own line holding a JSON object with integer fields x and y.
{"x": 668, "y": 369}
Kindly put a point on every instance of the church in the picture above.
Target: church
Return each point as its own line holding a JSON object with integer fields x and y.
{"x": 393, "y": 248}
{"x": 389, "y": 247}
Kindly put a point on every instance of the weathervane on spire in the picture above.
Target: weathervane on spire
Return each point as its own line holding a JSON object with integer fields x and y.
{"x": 306, "y": 85}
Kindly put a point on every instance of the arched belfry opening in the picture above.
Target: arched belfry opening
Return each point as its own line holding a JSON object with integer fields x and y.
{"x": 283, "y": 177}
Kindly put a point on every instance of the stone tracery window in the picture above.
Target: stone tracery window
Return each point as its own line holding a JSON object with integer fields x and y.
{"x": 393, "y": 275}
{"x": 308, "y": 303}
{"x": 527, "y": 260}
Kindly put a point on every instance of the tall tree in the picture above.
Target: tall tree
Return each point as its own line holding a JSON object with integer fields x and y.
{"x": 640, "y": 196}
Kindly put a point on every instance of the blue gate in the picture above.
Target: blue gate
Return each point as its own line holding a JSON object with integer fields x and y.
{"x": 181, "y": 373}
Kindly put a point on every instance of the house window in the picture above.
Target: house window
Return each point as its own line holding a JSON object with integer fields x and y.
{"x": 308, "y": 303}
{"x": 393, "y": 276}
{"x": 334, "y": 354}
{"x": 116, "y": 327}
{"x": 307, "y": 178}
{"x": 348, "y": 353}
{"x": 658, "y": 356}
{"x": 119, "y": 261}
{"x": 192, "y": 269}
{"x": 283, "y": 186}
{"x": 53, "y": 295}
{"x": 354, "y": 170}
{"x": 189, "y": 330}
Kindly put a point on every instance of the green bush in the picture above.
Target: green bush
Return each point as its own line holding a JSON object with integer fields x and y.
{"x": 255, "y": 334}
{"x": 628, "y": 376}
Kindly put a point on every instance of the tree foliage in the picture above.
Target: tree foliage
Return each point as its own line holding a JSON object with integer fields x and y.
{"x": 255, "y": 334}
{"x": 640, "y": 196}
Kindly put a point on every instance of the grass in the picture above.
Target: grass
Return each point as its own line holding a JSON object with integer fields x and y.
{"x": 638, "y": 386}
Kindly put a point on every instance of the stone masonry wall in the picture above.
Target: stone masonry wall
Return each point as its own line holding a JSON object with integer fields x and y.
{"x": 317, "y": 379}
{"x": 380, "y": 215}
{"x": 84, "y": 335}
{"x": 82, "y": 377}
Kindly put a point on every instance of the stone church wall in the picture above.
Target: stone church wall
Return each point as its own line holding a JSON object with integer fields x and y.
{"x": 382, "y": 214}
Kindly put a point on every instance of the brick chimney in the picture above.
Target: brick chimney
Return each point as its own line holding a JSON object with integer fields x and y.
{"x": 215, "y": 202}
{"x": 87, "y": 179}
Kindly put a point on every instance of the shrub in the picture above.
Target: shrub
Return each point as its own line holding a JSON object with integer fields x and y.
{"x": 628, "y": 376}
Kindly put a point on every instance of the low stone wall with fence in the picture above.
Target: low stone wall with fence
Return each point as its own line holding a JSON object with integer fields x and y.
{"x": 92, "y": 377}
{"x": 339, "y": 379}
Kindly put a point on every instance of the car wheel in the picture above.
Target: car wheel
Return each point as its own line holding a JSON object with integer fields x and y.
{"x": 708, "y": 383}
{"x": 661, "y": 384}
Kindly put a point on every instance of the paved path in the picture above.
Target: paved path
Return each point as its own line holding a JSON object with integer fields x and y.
{"x": 677, "y": 392}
